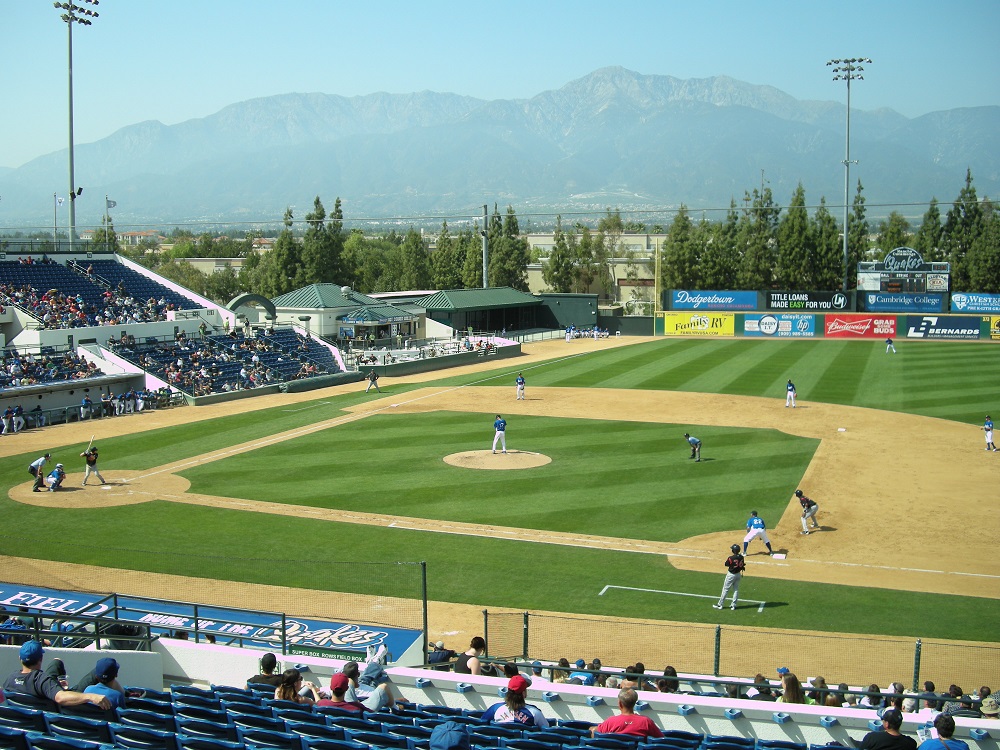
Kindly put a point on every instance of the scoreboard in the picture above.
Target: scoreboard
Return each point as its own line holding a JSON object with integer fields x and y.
{"x": 903, "y": 282}
{"x": 903, "y": 272}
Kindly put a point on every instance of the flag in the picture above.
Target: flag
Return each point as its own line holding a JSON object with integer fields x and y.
{"x": 111, "y": 204}
{"x": 59, "y": 201}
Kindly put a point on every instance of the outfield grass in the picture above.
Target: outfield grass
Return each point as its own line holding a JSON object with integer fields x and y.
{"x": 392, "y": 464}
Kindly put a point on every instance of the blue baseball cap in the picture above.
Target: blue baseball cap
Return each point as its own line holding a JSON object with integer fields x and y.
{"x": 31, "y": 651}
{"x": 106, "y": 669}
{"x": 450, "y": 736}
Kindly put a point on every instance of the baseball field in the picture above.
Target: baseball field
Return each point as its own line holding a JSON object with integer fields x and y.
{"x": 596, "y": 509}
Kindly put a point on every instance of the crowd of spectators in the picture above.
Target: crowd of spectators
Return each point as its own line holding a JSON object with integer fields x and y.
{"x": 56, "y": 309}
{"x": 19, "y": 369}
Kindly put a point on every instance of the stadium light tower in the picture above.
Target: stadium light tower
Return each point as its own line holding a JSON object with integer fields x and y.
{"x": 849, "y": 69}
{"x": 81, "y": 14}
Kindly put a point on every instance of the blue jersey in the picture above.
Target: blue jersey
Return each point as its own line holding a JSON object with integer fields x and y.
{"x": 790, "y": 387}
{"x": 988, "y": 424}
{"x": 500, "y": 425}
{"x": 694, "y": 441}
{"x": 520, "y": 380}
{"x": 755, "y": 522}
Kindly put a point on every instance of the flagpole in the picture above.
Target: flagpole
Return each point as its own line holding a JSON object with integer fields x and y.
{"x": 55, "y": 221}
{"x": 106, "y": 217}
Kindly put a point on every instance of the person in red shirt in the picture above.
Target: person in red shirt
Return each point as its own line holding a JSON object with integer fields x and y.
{"x": 628, "y": 722}
{"x": 338, "y": 687}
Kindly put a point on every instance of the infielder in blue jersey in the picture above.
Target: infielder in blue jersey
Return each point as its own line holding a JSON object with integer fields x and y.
{"x": 755, "y": 528}
{"x": 790, "y": 394}
{"x": 500, "y": 425}
{"x": 988, "y": 428}
{"x": 519, "y": 383}
{"x": 695, "y": 444}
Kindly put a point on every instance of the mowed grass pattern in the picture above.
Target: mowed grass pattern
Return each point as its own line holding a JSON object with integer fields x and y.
{"x": 631, "y": 478}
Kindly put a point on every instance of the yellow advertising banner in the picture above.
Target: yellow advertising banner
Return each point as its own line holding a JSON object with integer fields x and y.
{"x": 698, "y": 324}
{"x": 995, "y": 327}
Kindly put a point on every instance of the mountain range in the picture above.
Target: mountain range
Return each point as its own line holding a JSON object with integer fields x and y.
{"x": 614, "y": 138}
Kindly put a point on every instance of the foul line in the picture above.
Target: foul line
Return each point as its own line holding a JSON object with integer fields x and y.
{"x": 760, "y": 607}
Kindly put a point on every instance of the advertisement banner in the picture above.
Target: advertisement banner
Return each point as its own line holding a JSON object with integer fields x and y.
{"x": 970, "y": 302}
{"x": 903, "y": 302}
{"x": 682, "y": 299}
{"x": 698, "y": 324}
{"x": 995, "y": 327}
{"x": 818, "y": 301}
{"x": 859, "y": 326}
{"x": 941, "y": 327}
{"x": 780, "y": 325}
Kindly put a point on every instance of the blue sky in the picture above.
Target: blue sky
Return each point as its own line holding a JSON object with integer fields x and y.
{"x": 181, "y": 59}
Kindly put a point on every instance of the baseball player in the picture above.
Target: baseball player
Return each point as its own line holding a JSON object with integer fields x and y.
{"x": 695, "y": 444}
{"x": 889, "y": 346}
{"x": 988, "y": 429}
{"x": 520, "y": 387}
{"x": 500, "y": 425}
{"x": 91, "y": 458}
{"x": 735, "y": 564}
{"x": 790, "y": 394}
{"x": 373, "y": 381}
{"x": 755, "y": 528}
{"x": 809, "y": 509}
{"x": 56, "y": 477}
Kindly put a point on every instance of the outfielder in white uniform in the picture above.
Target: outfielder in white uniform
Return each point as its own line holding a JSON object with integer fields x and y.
{"x": 988, "y": 429}
{"x": 755, "y": 528}
{"x": 735, "y": 564}
{"x": 790, "y": 395}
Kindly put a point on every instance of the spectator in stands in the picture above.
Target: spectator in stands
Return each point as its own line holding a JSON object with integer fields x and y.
{"x": 561, "y": 675}
{"x": 268, "y": 663}
{"x": 965, "y": 709}
{"x": 580, "y": 676}
{"x": 31, "y": 680}
{"x": 984, "y": 692}
{"x": 945, "y": 726}
{"x": 952, "y": 699}
{"x": 450, "y": 735}
{"x": 817, "y": 694}
{"x": 791, "y": 690}
{"x": 292, "y": 688}
{"x": 990, "y": 707}
{"x": 874, "y": 699}
{"x": 536, "y": 673}
{"x": 514, "y": 709}
{"x": 734, "y": 690}
{"x": 761, "y": 690}
{"x": 468, "y": 662}
{"x": 628, "y": 681}
{"x": 670, "y": 678}
{"x": 628, "y": 722}
{"x": 371, "y": 689}
{"x": 440, "y": 656}
{"x": 889, "y": 737}
{"x": 339, "y": 684}
{"x": 107, "y": 685}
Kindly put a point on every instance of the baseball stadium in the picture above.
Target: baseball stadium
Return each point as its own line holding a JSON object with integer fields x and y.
{"x": 594, "y": 535}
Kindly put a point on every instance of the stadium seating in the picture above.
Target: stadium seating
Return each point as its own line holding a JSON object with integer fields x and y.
{"x": 12, "y": 739}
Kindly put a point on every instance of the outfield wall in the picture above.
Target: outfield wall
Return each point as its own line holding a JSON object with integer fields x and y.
{"x": 841, "y": 325}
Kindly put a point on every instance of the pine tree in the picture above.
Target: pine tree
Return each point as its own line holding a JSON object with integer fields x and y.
{"x": 827, "y": 271}
{"x": 796, "y": 252}
{"x": 679, "y": 261}
{"x": 557, "y": 271}
{"x": 961, "y": 228}
{"x": 416, "y": 273}
{"x": 447, "y": 270}
{"x": 471, "y": 251}
{"x": 857, "y": 237}
{"x": 928, "y": 239}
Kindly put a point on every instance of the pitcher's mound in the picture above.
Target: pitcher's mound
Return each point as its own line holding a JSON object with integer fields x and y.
{"x": 489, "y": 460}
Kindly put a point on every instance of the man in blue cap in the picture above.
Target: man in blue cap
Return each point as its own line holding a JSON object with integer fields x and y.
{"x": 31, "y": 680}
{"x": 107, "y": 685}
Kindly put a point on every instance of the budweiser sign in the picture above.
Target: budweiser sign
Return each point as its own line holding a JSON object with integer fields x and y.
{"x": 860, "y": 326}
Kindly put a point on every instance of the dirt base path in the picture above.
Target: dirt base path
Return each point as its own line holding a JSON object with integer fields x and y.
{"x": 876, "y": 505}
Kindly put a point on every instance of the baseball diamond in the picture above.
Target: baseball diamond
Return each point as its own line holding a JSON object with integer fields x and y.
{"x": 359, "y": 479}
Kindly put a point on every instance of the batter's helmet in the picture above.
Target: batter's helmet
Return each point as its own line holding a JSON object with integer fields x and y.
{"x": 798, "y": 493}
{"x": 735, "y": 548}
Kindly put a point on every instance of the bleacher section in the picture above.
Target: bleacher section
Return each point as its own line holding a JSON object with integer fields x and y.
{"x": 139, "y": 286}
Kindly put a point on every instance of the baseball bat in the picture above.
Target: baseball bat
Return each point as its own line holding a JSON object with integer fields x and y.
{"x": 90, "y": 443}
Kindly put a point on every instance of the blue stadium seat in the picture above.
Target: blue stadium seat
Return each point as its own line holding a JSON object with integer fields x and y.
{"x": 247, "y": 709}
{"x": 45, "y": 742}
{"x": 261, "y": 688}
{"x": 201, "y": 701}
{"x": 485, "y": 740}
{"x": 355, "y": 722}
{"x": 413, "y": 732}
{"x": 610, "y": 742}
{"x": 441, "y": 710}
{"x": 551, "y": 738}
{"x": 290, "y": 717}
{"x": 23, "y": 700}
{"x": 781, "y": 745}
{"x": 135, "y": 717}
{"x": 575, "y": 724}
{"x": 149, "y": 704}
{"x": 680, "y": 734}
{"x": 264, "y": 738}
{"x": 176, "y": 690}
{"x": 568, "y": 736}
{"x": 186, "y": 742}
{"x": 25, "y": 719}
{"x": 249, "y": 721}
{"x": 288, "y": 705}
{"x": 316, "y": 731}
{"x": 143, "y": 739}
{"x": 13, "y": 739}
{"x": 503, "y": 732}
{"x": 152, "y": 695}
{"x": 79, "y": 728}
{"x": 532, "y": 744}
{"x": 390, "y": 720}
{"x": 381, "y": 740}
{"x": 717, "y": 739}
{"x": 202, "y": 714}
{"x": 314, "y": 743}
{"x": 666, "y": 743}
{"x": 221, "y": 691}
{"x": 209, "y": 730}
